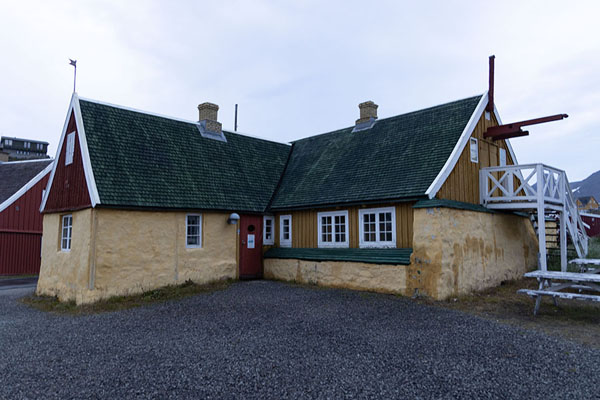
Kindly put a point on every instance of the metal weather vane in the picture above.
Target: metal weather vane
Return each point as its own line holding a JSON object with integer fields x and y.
{"x": 74, "y": 64}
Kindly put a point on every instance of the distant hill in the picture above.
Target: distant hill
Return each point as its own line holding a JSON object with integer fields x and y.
{"x": 590, "y": 186}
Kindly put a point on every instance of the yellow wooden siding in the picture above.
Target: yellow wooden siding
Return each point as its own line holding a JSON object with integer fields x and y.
{"x": 463, "y": 182}
{"x": 305, "y": 229}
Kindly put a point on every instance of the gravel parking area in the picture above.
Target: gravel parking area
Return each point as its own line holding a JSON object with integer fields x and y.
{"x": 265, "y": 339}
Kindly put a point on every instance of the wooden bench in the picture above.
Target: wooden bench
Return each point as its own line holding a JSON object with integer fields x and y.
{"x": 568, "y": 280}
{"x": 584, "y": 264}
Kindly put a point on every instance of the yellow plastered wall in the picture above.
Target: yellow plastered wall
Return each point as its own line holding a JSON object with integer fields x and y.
{"x": 133, "y": 251}
{"x": 458, "y": 251}
{"x": 65, "y": 274}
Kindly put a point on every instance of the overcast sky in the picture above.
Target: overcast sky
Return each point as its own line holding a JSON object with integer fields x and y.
{"x": 301, "y": 68}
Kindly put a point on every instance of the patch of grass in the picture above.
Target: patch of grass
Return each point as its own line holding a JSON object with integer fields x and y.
{"x": 594, "y": 247}
{"x": 18, "y": 276}
{"x": 572, "y": 319}
{"x": 116, "y": 303}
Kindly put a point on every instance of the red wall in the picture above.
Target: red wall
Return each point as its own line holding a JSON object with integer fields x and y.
{"x": 594, "y": 223}
{"x": 69, "y": 188}
{"x": 21, "y": 233}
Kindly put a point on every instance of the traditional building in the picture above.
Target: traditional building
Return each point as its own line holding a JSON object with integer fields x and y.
{"x": 587, "y": 203}
{"x": 23, "y": 149}
{"x": 137, "y": 201}
{"x": 21, "y": 187}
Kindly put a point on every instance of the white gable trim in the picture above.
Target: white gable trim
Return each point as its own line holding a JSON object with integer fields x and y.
{"x": 4, "y": 205}
{"x": 458, "y": 149}
{"x": 87, "y": 166}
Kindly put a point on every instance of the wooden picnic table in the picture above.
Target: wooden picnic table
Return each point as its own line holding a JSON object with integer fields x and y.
{"x": 553, "y": 283}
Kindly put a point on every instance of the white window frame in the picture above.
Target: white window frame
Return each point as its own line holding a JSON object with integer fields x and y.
{"x": 333, "y": 243}
{"x": 8, "y": 142}
{"x": 70, "y": 148}
{"x": 474, "y": 149}
{"x": 283, "y": 242}
{"x": 187, "y": 235}
{"x": 66, "y": 232}
{"x": 501, "y": 157}
{"x": 361, "y": 228}
{"x": 272, "y": 220}
{"x": 27, "y": 145}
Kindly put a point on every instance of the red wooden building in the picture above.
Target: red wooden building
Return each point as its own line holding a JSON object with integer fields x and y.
{"x": 593, "y": 221}
{"x": 21, "y": 186}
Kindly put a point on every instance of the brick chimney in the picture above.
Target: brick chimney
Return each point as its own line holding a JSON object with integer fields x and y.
{"x": 208, "y": 117}
{"x": 368, "y": 112}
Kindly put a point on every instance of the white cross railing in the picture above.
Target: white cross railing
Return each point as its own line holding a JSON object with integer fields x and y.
{"x": 536, "y": 186}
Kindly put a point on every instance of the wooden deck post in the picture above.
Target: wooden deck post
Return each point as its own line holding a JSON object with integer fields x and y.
{"x": 541, "y": 218}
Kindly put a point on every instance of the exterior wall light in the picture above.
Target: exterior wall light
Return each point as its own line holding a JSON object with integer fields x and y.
{"x": 233, "y": 218}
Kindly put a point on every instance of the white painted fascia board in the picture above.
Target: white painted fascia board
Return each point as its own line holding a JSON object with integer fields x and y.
{"x": 458, "y": 148}
{"x": 91, "y": 184}
{"x": 4, "y": 205}
{"x": 85, "y": 156}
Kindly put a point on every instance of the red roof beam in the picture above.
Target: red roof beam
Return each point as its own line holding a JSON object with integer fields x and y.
{"x": 515, "y": 128}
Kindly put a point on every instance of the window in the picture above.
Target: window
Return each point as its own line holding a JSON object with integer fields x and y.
{"x": 474, "y": 150}
{"x": 502, "y": 157}
{"x": 8, "y": 142}
{"x": 65, "y": 237}
{"x": 39, "y": 146}
{"x": 27, "y": 145}
{"x": 70, "y": 148}
{"x": 285, "y": 231}
{"x": 333, "y": 229}
{"x": 268, "y": 236}
{"x": 193, "y": 229}
{"x": 377, "y": 227}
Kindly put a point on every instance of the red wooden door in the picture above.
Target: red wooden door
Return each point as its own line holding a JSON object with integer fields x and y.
{"x": 250, "y": 246}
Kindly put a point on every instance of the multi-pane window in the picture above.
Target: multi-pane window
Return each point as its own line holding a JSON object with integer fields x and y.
{"x": 333, "y": 229}
{"x": 66, "y": 230}
{"x": 8, "y": 142}
{"x": 377, "y": 227}
{"x": 39, "y": 146}
{"x": 268, "y": 236}
{"x": 193, "y": 228}
{"x": 70, "y": 148}
{"x": 285, "y": 231}
{"x": 27, "y": 145}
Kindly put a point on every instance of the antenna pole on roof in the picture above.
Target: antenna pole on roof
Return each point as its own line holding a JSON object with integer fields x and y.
{"x": 490, "y": 104}
{"x": 74, "y": 64}
{"x": 235, "y": 123}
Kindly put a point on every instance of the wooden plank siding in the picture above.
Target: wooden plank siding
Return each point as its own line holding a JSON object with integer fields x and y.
{"x": 463, "y": 182}
{"x": 305, "y": 228}
{"x": 69, "y": 187}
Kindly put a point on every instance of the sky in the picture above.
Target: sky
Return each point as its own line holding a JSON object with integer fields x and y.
{"x": 300, "y": 68}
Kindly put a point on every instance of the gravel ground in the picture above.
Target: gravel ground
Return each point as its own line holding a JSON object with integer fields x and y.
{"x": 272, "y": 340}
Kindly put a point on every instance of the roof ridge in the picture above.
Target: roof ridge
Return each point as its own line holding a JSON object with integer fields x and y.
{"x": 187, "y": 121}
{"x": 427, "y": 109}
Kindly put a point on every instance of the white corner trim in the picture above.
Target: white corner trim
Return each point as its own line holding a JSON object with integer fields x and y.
{"x": 4, "y": 205}
{"x": 85, "y": 156}
{"x": 89, "y": 177}
{"x": 458, "y": 148}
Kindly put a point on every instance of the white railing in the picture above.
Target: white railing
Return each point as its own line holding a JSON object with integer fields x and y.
{"x": 534, "y": 186}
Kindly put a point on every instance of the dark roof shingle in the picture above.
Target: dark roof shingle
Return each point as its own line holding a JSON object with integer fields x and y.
{"x": 399, "y": 157}
{"x": 143, "y": 160}
{"x": 14, "y": 175}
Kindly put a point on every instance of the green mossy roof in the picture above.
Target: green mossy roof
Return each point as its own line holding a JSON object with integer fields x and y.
{"x": 399, "y": 157}
{"x": 371, "y": 256}
{"x": 143, "y": 160}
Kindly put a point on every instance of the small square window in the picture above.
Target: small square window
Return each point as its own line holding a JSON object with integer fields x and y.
{"x": 377, "y": 227}
{"x": 333, "y": 229}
